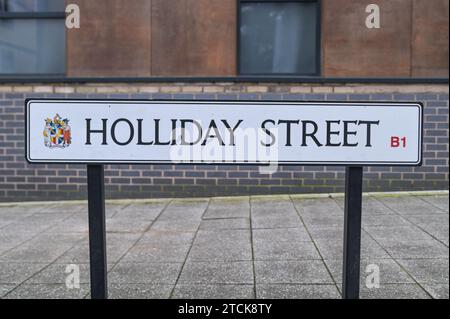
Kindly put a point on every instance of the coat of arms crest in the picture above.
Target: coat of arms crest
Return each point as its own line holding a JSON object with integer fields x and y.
{"x": 57, "y": 132}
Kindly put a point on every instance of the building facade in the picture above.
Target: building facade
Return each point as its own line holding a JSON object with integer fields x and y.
{"x": 328, "y": 50}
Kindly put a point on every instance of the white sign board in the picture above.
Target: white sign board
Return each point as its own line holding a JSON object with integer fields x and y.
{"x": 125, "y": 131}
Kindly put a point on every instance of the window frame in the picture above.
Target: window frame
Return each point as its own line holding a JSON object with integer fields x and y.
{"x": 42, "y": 15}
{"x": 318, "y": 40}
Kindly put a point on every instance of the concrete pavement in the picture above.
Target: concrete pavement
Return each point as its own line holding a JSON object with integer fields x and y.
{"x": 236, "y": 247}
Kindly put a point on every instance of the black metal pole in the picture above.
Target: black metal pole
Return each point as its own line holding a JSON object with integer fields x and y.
{"x": 97, "y": 232}
{"x": 352, "y": 232}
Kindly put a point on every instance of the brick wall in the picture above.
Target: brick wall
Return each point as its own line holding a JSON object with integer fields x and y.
{"x": 21, "y": 181}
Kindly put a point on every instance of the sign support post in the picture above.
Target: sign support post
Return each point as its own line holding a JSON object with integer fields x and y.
{"x": 352, "y": 232}
{"x": 97, "y": 231}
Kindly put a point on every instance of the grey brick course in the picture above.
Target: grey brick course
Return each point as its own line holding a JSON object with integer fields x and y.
{"x": 21, "y": 181}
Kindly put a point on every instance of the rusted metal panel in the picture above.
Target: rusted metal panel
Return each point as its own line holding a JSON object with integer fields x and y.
{"x": 430, "y": 38}
{"x": 352, "y": 49}
{"x": 114, "y": 39}
{"x": 193, "y": 37}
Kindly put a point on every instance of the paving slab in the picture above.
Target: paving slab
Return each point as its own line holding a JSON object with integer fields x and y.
{"x": 20, "y": 209}
{"x": 326, "y": 232}
{"x": 218, "y": 291}
{"x": 16, "y": 273}
{"x": 42, "y": 248}
{"x": 323, "y": 219}
{"x": 265, "y": 207}
{"x": 143, "y": 273}
{"x": 425, "y": 219}
{"x": 327, "y": 206}
{"x": 370, "y": 206}
{"x": 222, "y": 245}
{"x": 417, "y": 249}
{"x": 239, "y": 272}
{"x": 243, "y": 247}
{"x": 127, "y": 225}
{"x": 117, "y": 244}
{"x": 387, "y": 235}
{"x": 284, "y": 250}
{"x": 330, "y": 248}
{"x": 37, "y": 223}
{"x": 438, "y": 201}
{"x": 228, "y": 208}
{"x": 223, "y": 251}
{"x": 431, "y": 271}
{"x": 47, "y": 291}
{"x": 225, "y": 223}
{"x": 146, "y": 253}
{"x": 8, "y": 216}
{"x": 184, "y": 210}
{"x": 57, "y": 274}
{"x": 68, "y": 207}
{"x": 301, "y": 272}
{"x": 274, "y": 221}
{"x": 437, "y": 231}
{"x": 281, "y": 234}
{"x": 76, "y": 223}
{"x": 144, "y": 212}
{"x": 437, "y": 291}
{"x": 13, "y": 237}
{"x": 297, "y": 291}
{"x": 220, "y": 236}
{"x": 112, "y": 209}
{"x": 139, "y": 291}
{"x": 162, "y": 237}
{"x": 6, "y": 288}
{"x": 384, "y": 220}
{"x": 394, "y": 291}
{"x": 409, "y": 205}
{"x": 390, "y": 272}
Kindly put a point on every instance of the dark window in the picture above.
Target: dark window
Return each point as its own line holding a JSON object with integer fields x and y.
{"x": 32, "y": 37}
{"x": 279, "y": 37}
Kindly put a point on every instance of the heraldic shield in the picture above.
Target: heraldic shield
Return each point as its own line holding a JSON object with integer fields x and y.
{"x": 57, "y": 132}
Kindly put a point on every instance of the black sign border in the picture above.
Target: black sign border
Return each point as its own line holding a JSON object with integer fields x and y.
{"x": 249, "y": 102}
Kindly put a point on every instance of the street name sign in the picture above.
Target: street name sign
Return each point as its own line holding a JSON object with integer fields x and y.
{"x": 97, "y": 132}
{"x": 128, "y": 131}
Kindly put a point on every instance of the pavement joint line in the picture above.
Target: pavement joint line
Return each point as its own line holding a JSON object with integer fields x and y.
{"x": 297, "y": 284}
{"x": 315, "y": 246}
{"x": 142, "y": 235}
{"x": 119, "y": 210}
{"x": 342, "y": 210}
{"x": 33, "y": 237}
{"x": 285, "y": 259}
{"x": 223, "y": 218}
{"x": 299, "y": 206}
{"x": 393, "y": 258}
{"x": 379, "y": 244}
{"x": 430, "y": 203}
{"x": 190, "y": 199}
{"x": 252, "y": 246}
{"x": 136, "y": 241}
{"x": 142, "y": 263}
{"x": 390, "y": 255}
{"x": 189, "y": 251}
{"x": 411, "y": 222}
{"x": 44, "y": 268}
{"x": 399, "y": 264}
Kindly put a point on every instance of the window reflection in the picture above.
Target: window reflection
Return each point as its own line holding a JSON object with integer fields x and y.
{"x": 32, "y": 5}
{"x": 278, "y": 38}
